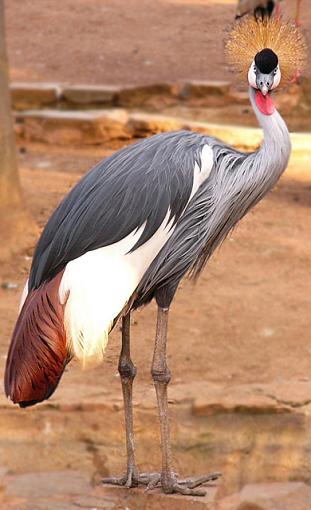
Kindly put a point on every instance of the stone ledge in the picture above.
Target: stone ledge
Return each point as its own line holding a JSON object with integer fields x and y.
{"x": 73, "y": 127}
{"x": 90, "y": 95}
{"x": 200, "y": 398}
{"x": 153, "y": 96}
{"x": 69, "y": 490}
{"x": 157, "y": 95}
{"x": 207, "y": 93}
{"x": 99, "y": 126}
{"x": 269, "y": 496}
{"x": 26, "y": 96}
{"x": 142, "y": 124}
{"x": 261, "y": 433}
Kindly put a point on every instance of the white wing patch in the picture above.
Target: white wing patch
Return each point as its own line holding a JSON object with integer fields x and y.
{"x": 96, "y": 286}
{"x": 201, "y": 174}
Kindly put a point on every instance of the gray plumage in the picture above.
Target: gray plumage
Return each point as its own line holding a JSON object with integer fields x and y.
{"x": 237, "y": 182}
{"x": 140, "y": 182}
{"x": 135, "y": 185}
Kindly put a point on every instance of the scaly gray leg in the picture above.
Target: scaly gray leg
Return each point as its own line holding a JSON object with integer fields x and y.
{"x": 161, "y": 377}
{"x": 127, "y": 372}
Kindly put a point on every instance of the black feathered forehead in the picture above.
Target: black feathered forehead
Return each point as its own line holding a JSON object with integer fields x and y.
{"x": 266, "y": 60}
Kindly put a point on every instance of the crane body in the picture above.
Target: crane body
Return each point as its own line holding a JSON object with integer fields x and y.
{"x": 137, "y": 223}
{"x": 128, "y": 232}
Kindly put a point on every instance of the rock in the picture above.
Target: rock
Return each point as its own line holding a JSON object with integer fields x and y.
{"x": 154, "y": 500}
{"x": 43, "y": 485}
{"x": 90, "y": 94}
{"x": 270, "y": 496}
{"x": 157, "y": 95}
{"x": 143, "y": 124}
{"x": 74, "y": 128}
{"x": 91, "y": 502}
{"x": 47, "y": 504}
{"x": 240, "y": 399}
{"x": 33, "y": 95}
{"x": 207, "y": 93}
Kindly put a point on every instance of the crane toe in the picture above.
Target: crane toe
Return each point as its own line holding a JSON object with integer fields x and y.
{"x": 132, "y": 479}
{"x": 188, "y": 486}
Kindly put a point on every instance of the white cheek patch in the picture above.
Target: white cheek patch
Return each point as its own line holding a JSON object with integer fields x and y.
{"x": 252, "y": 76}
{"x": 277, "y": 79}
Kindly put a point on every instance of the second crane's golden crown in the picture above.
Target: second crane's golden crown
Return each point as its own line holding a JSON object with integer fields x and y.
{"x": 251, "y": 36}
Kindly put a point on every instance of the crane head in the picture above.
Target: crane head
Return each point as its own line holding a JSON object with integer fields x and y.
{"x": 264, "y": 75}
{"x": 261, "y": 50}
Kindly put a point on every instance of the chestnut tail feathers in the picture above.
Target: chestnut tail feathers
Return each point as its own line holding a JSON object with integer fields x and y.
{"x": 38, "y": 352}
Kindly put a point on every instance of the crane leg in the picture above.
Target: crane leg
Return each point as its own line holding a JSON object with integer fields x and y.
{"x": 297, "y": 17}
{"x": 277, "y": 11}
{"x": 161, "y": 376}
{"x": 127, "y": 372}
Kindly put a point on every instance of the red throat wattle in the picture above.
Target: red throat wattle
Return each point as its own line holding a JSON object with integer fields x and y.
{"x": 264, "y": 103}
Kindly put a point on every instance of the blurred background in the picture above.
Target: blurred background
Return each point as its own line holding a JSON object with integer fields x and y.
{"x": 86, "y": 78}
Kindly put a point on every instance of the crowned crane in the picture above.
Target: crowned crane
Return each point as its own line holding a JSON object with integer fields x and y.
{"x": 131, "y": 229}
{"x": 262, "y": 8}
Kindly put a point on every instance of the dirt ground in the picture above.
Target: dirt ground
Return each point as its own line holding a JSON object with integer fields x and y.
{"x": 122, "y": 42}
{"x": 248, "y": 317}
{"x": 247, "y": 320}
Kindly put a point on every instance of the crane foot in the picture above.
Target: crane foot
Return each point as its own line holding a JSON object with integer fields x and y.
{"x": 151, "y": 481}
{"x": 188, "y": 487}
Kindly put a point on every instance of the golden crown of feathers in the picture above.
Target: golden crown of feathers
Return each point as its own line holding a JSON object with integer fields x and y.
{"x": 251, "y": 36}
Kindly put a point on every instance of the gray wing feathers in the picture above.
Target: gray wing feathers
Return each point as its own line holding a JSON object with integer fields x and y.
{"x": 134, "y": 186}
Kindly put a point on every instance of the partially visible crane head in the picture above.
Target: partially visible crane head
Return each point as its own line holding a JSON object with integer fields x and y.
{"x": 259, "y": 8}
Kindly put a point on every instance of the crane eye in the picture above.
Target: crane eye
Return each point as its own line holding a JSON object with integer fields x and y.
{"x": 275, "y": 71}
{"x": 255, "y": 69}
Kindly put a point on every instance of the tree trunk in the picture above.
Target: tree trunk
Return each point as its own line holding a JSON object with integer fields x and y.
{"x": 10, "y": 193}
{"x": 16, "y": 226}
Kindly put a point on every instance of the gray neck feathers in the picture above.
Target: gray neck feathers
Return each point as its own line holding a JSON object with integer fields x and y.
{"x": 276, "y": 148}
{"x": 242, "y": 180}
{"x": 237, "y": 182}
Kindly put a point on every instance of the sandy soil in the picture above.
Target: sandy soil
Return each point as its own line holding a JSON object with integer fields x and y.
{"x": 122, "y": 42}
{"x": 247, "y": 319}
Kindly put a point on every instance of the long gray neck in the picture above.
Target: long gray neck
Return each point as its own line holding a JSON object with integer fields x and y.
{"x": 276, "y": 148}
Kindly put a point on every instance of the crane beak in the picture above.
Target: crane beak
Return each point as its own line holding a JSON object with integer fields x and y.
{"x": 264, "y": 90}
{"x": 264, "y": 82}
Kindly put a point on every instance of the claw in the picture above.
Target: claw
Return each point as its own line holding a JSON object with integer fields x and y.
{"x": 195, "y": 482}
{"x": 115, "y": 480}
{"x": 187, "y": 491}
{"x": 153, "y": 482}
